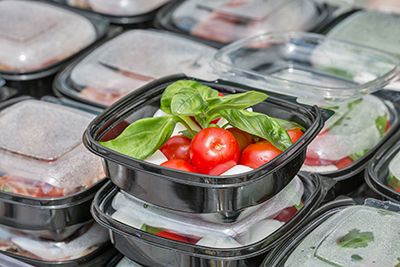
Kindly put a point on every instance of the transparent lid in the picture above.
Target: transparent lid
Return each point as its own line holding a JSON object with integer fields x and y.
{"x": 352, "y": 131}
{"x": 226, "y": 21}
{"x": 125, "y": 262}
{"x": 35, "y": 35}
{"x": 381, "y": 5}
{"x": 41, "y": 152}
{"x": 252, "y": 225}
{"x": 394, "y": 173}
{"x": 306, "y": 65}
{"x": 135, "y": 58}
{"x": 84, "y": 242}
{"x": 355, "y": 236}
{"x": 373, "y": 29}
{"x": 118, "y": 7}
{"x": 6, "y": 261}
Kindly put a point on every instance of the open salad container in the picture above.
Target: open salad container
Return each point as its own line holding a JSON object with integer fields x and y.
{"x": 383, "y": 174}
{"x": 225, "y": 21}
{"x": 154, "y": 236}
{"x": 360, "y": 235}
{"x": 197, "y": 192}
{"x": 88, "y": 247}
{"x": 128, "y": 13}
{"x": 333, "y": 74}
{"x": 47, "y": 178}
{"x": 36, "y": 40}
{"x": 129, "y": 61}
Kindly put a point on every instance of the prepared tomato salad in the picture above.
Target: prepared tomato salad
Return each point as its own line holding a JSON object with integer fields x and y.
{"x": 197, "y": 129}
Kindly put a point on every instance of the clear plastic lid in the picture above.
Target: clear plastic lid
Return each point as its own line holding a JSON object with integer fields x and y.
{"x": 226, "y": 21}
{"x": 208, "y": 230}
{"x": 394, "y": 173}
{"x": 41, "y": 152}
{"x": 309, "y": 66}
{"x": 135, "y": 58}
{"x": 355, "y": 236}
{"x": 35, "y": 35}
{"x": 118, "y": 7}
{"x": 84, "y": 242}
{"x": 381, "y": 5}
{"x": 125, "y": 262}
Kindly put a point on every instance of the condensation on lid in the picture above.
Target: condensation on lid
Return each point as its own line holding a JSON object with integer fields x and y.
{"x": 35, "y": 35}
{"x": 41, "y": 130}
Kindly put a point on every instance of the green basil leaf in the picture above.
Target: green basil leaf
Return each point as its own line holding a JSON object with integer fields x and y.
{"x": 237, "y": 101}
{"x": 259, "y": 125}
{"x": 188, "y": 134}
{"x": 381, "y": 123}
{"x": 143, "y": 137}
{"x": 187, "y": 103}
{"x": 174, "y": 88}
{"x": 356, "y": 239}
{"x": 289, "y": 125}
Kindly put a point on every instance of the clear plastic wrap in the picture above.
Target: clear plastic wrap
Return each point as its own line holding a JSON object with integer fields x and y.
{"x": 35, "y": 35}
{"x": 41, "y": 152}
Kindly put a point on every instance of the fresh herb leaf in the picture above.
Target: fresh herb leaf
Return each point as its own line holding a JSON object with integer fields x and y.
{"x": 356, "y": 257}
{"x": 356, "y": 239}
{"x": 398, "y": 263}
{"x": 340, "y": 72}
{"x": 236, "y": 101}
{"x": 143, "y": 137}
{"x": 188, "y": 134}
{"x": 289, "y": 125}
{"x": 381, "y": 123}
{"x": 393, "y": 182}
{"x": 358, "y": 155}
{"x": 187, "y": 103}
{"x": 260, "y": 125}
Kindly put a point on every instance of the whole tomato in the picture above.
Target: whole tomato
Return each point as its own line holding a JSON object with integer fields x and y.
{"x": 244, "y": 139}
{"x": 179, "y": 164}
{"x": 295, "y": 134}
{"x": 177, "y": 147}
{"x": 213, "y": 147}
{"x": 256, "y": 155}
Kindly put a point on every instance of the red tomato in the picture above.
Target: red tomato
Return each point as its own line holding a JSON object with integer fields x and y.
{"x": 115, "y": 131}
{"x": 177, "y": 147}
{"x": 286, "y": 214}
{"x": 387, "y": 127}
{"x": 179, "y": 164}
{"x": 221, "y": 168}
{"x": 212, "y": 147}
{"x": 173, "y": 236}
{"x": 344, "y": 162}
{"x": 256, "y": 155}
{"x": 295, "y": 134}
{"x": 244, "y": 139}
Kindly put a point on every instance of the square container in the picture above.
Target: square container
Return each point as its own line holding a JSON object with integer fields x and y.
{"x": 37, "y": 38}
{"x": 333, "y": 74}
{"x": 152, "y": 248}
{"x": 130, "y": 60}
{"x": 127, "y": 13}
{"x": 192, "y": 192}
{"x": 225, "y": 21}
{"x": 47, "y": 178}
{"x": 358, "y": 235}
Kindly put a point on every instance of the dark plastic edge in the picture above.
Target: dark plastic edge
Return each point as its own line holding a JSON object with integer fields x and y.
{"x": 102, "y": 121}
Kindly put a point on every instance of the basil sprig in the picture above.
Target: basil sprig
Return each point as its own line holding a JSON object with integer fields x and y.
{"x": 185, "y": 99}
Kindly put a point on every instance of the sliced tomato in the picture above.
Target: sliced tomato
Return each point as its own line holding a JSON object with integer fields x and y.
{"x": 388, "y": 126}
{"x": 179, "y": 164}
{"x": 295, "y": 134}
{"x": 344, "y": 162}
{"x": 177, "y": 237}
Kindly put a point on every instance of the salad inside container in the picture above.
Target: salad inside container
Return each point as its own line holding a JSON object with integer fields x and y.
{"x": 131, "y": 60}
{"x": 41, "y": 152}
{"x": 225, "y": 21}
{"x": 35, "y": 36}
{"x": 360, "y": 235}
{"x": 333, "y": 74}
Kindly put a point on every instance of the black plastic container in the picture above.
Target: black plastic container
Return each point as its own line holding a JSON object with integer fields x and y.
{"x": 150, "y": 250}
{"x": 128, "y": 21}
{"x": 377, "y": 172}
{"x": 198, "y": 193}
{"x": 38, "y": 82}
{"x": 6, "y": 92}
{"x": 52, "y": 218}
{"x": 164, "y": 21}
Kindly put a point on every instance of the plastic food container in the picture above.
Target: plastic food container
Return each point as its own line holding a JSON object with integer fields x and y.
{"x": 226, "y": 21}
{"x": 330, "y": 73}
{"x": 156, "y": 249}
{"x": 360, "y": 235}
{"x": 129, "y": 13}
{"x": 121, "y": 261}
{"x": 6, "y": 261}
{"x": 88, "y": 247}
{"x": 34, "y": 48}
{"x": 6, "y": 92}
{"x": 198, "y": 193}
{"x": 129, "y": 61}
{"x": 382, "y": 174}
{"x": 47, "y": 178}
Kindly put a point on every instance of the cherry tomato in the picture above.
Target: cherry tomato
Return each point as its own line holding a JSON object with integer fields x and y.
{"x": 244, "y": 139}
{"x": 295, "y": 134}
{"x": 312, "y": 159}
{"x": 344, "y": 162}
{"x": 256, "y": 155}
{"x": 177, "y": 147}
{"x": 173, "y": 236}
{"x": 179, "y": 164}
{"x": 286, "y": 214}
{"x": 212, "y": 147}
